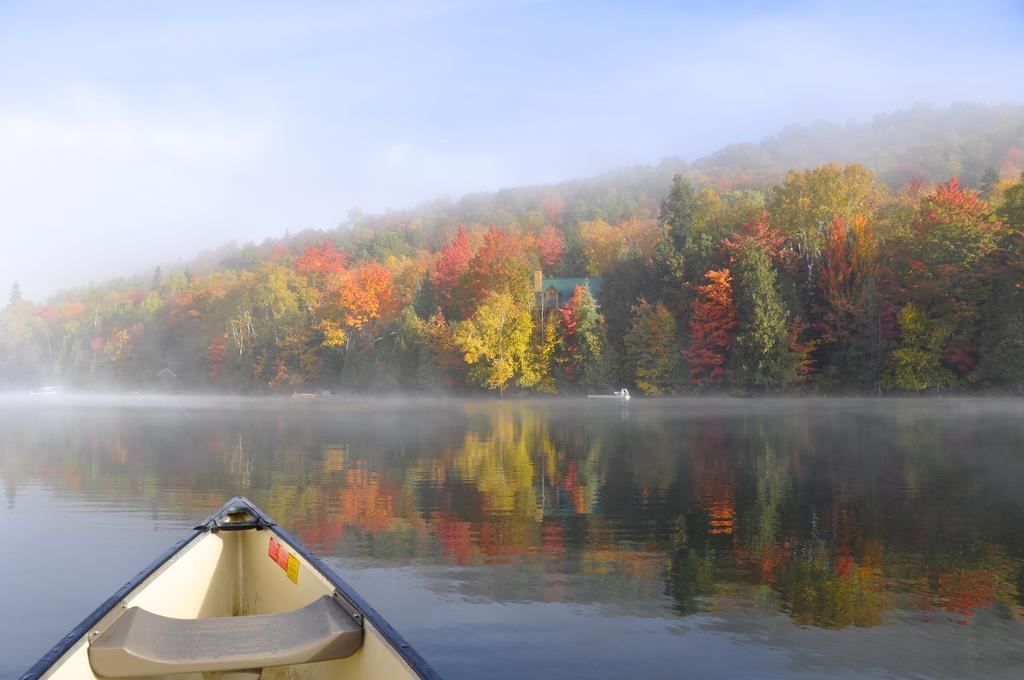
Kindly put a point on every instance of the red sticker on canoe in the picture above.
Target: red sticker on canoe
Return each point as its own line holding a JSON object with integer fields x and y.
{"x": 284, "y": 559}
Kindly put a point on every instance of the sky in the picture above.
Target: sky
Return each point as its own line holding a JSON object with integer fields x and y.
{"x": 134, "y": 134}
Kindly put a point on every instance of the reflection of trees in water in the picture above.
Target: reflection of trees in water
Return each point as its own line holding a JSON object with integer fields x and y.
{"x": 823, "y": 588}
{"x": 714, "y": 481}
{"x": 840, "y": 515}
{"x": 693, "y": 565}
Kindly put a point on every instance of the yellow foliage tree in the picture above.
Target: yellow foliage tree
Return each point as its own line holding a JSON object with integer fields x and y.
{"x": 496, "y": 344}
{"x": 807, "y": 202}
{"x": 603, "y": 244}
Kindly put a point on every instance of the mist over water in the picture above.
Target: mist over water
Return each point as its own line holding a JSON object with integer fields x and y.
{"x": 540, "y": 538}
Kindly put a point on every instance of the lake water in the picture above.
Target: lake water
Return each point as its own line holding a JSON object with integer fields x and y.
{"x": 559, "y": 539}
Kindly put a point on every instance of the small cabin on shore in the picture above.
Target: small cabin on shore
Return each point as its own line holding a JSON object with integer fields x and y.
{"x": 557, "y": 292}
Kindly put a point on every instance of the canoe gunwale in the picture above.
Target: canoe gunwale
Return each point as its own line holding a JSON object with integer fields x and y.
{"x": 344, "y": 592}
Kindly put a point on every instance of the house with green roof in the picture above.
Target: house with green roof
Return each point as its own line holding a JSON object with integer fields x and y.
{"x": 558, "y": 291}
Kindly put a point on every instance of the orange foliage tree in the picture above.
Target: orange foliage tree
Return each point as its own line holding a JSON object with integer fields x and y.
{"x": 365, "y": 295}
{"x": 712, "y": 322}
{"x": 347, "y": 299}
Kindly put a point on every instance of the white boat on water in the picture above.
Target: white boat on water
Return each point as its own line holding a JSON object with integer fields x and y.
{"x": 621, "y": 395}
{"x": 237, "y": 599}
{"x": 45, "y": 391}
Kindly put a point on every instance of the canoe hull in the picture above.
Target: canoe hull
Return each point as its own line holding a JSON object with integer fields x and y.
{"x": 220, "y": 572}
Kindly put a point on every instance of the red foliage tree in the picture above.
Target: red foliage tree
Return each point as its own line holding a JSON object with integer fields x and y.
{"x": 953, "y": 235}
{"x": 953, "y": 227}
{"x": 499, "y": 266}
{"x": 323, "y": 265}
{"x": 838, "y": 310}
{"x": 580, "y": 335}
{"x": 550, "y": 246}
{"x": 450, "y": 269}
{"x": 767, "y": 237}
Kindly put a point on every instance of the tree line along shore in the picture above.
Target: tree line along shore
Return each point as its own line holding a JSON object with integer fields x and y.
{"x": 668, "y": 279}
{"x": 826, "y": 281}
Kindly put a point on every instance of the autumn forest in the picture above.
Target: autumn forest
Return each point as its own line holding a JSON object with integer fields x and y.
{"x": 737, "y": 273}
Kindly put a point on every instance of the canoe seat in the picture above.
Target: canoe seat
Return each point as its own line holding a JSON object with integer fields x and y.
{"x": 141, "y": 643}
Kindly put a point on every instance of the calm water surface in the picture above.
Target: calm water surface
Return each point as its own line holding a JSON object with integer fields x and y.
{"x": 560, "y": 539}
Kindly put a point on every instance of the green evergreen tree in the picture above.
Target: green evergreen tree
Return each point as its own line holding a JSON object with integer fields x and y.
{"x": 761, "y": 356}
{"x": 668, "y": 273}
{"x": 679, "y": 209}
{"x": 700, "y": 254}
{"x": 653, "y": 349}
{"x": 916, "y": 365}
{"x": 627, "y": 281}
{"x": 425, "y": 300}
{"x": 15, "y": 293}
{"x": 415, "y": 357}
{"x": 1002, "y": 350}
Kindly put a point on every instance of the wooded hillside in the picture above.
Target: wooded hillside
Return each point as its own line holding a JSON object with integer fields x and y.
{"x": 900, "y": 266}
